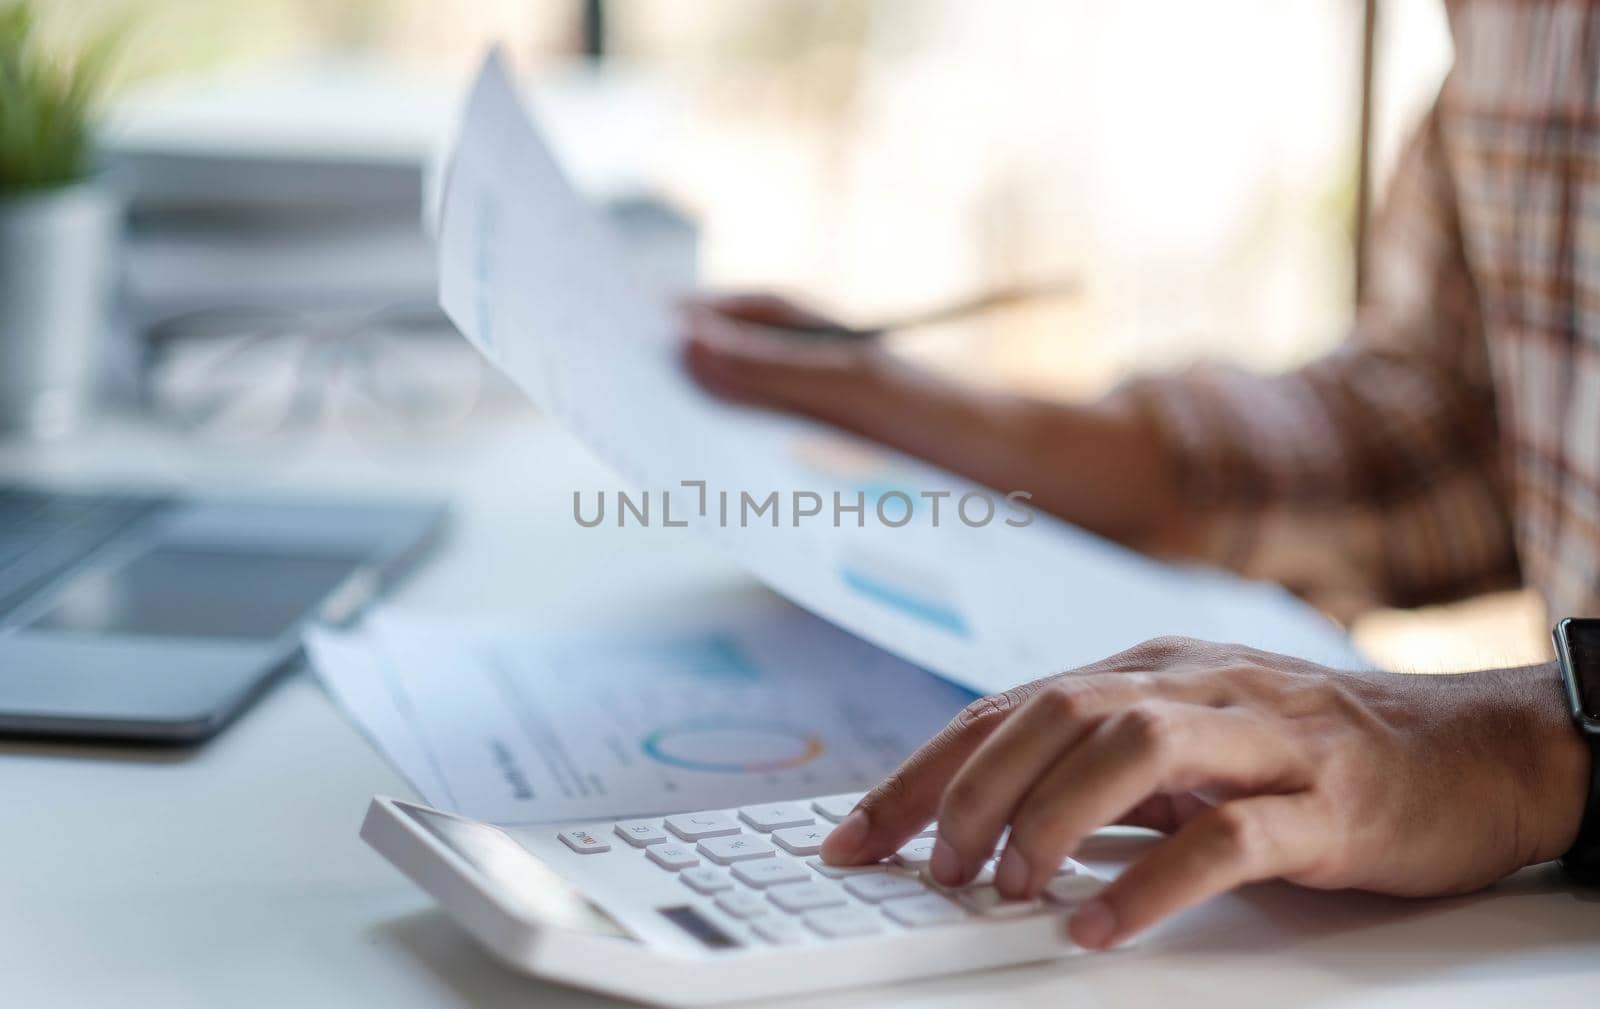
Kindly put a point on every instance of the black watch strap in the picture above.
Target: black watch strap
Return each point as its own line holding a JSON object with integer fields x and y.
{"x": 1582, "y": 860}
{"x": 1578, "y": 653}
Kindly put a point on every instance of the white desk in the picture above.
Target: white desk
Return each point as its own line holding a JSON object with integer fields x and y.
{"x": 231, "y": 875}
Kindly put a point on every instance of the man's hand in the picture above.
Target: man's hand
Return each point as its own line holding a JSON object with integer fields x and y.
{"x": 734, "y": 347}
{"x": 1257, "y": 765}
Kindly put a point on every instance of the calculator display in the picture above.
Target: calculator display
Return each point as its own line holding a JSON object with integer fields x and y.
{"x": 516, "y": 874}
{"x": 699, "y": 926}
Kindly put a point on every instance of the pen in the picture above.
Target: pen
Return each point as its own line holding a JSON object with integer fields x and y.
{"x": 989, "y": 301}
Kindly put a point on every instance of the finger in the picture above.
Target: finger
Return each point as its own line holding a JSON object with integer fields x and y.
{"x": 1154, "y": 813}
{"x": 1153, "y": 747}
{"x": 740, "y": 341}
{"x": 1239, "y": 842}
{"x": 757, "y": 367}
{"x": 728, "y": 373}
{"x": 758, "y": 307}
{"x": 909, "y": 797}
{"x": 983, "y": 793}
{"x": 905, "y": 801}
{"x": 1163, "y": 812}
{"x": 744, "y": 369}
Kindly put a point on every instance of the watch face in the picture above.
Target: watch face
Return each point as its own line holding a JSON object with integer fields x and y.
{"x": 1583, "y": 644}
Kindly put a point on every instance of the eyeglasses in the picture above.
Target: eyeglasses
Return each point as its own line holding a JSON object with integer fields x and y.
{"x": 262, "y": 372}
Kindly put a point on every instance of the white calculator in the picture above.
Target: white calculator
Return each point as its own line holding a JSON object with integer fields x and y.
{"x": 715, "y": 906}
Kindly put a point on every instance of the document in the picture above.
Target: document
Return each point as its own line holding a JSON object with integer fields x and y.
{"x": 755, "y": 702}
{"x": 531, "y": 276}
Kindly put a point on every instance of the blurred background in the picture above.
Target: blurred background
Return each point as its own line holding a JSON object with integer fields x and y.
{"x": 1193, "y": 167}
{"x": 1193, "y": 164}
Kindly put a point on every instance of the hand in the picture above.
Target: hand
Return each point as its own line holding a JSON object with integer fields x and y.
{"x": 997, "y": 439}
{"x": 1257, "y": 765}
{"x": 735, "y": 348}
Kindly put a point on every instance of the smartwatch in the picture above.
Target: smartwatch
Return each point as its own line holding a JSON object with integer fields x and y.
{"x": 1578, "y": 652}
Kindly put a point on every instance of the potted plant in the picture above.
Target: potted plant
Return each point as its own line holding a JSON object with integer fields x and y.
{"x": 59, "y": 226}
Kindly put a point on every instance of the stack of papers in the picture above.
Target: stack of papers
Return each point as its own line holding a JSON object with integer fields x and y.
{"x": 751, "y": 703}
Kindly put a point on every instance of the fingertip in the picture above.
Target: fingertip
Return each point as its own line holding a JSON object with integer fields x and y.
{"x": 696, "y": 321}
{"x": 710, "y": 371}
{"x": 944, "y": 864}
{"x": 1012, "y": 877}
{"x": 1094, "y": 925}
{"x": 844, "y": 843}
{"x": 714, "y": 332}
{"x": 697, "y": 357}
{"x": 694, "y": 345}
{"x": 693, "y": 301}
{"x": 708, "y": 352}
{"x": 696, "y": 324}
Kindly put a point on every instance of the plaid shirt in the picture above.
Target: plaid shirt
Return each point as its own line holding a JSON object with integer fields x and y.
{"x": 1452, "y": 444}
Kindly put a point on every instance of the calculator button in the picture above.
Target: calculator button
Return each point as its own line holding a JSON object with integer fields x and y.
{"x": 834, "y": 808}
{"x": 641, "y": 833}
{"x": 672, "y": 856}
{"x": 914, "y": 854}
{"x": 767, "y": 872}
{"x": 984, "y": 877}
{"x": 776, "y": 815}
{"x": 882, "y": 886}
{"x": 986, "y": 900}
{"x": 841, "y": 871}
{"x": 735, "y": 848}
{"x": 926, "y": 909}
{"x": 706, "y": 879}
{"x": 1073, "y": 889}
{"x": 584, "y": 842}
{"x": 843, "y": 922}
{"x": 742, "y": 904}
{"x": 805, "y": 896}
{"x": 694, "y": 826}
{"x": 800, "y": 840}
{"x": 779, "y": 930}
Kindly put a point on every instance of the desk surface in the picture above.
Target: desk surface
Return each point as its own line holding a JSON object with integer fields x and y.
{"x": 231, "y": 874}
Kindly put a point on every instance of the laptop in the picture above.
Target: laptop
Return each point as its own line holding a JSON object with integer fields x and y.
{"x": 146, "y": 617}
{"x": 714, "y": 906}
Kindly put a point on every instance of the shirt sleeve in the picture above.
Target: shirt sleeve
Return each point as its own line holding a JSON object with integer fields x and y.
{"x": 1373, "y": 475}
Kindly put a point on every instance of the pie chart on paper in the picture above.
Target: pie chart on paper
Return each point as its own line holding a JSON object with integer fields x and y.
{"x": 732, "y": 747}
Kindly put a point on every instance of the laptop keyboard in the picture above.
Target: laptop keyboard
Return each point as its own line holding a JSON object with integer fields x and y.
{"x": 760, "y": 865}
{"x": 43, "y": 533}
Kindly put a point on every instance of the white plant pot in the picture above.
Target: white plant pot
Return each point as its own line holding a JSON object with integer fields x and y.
{"x": 58, "y": 252}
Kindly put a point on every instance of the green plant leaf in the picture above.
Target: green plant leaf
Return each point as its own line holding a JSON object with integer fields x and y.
{"x": 47, "y": 100}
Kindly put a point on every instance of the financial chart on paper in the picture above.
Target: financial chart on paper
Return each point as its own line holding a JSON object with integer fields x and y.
{"x": 766, "y": 704}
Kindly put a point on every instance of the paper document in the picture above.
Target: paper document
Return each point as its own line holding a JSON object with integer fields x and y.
{"x": 530, "y": 275}
{"x": 759, "y": 702}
